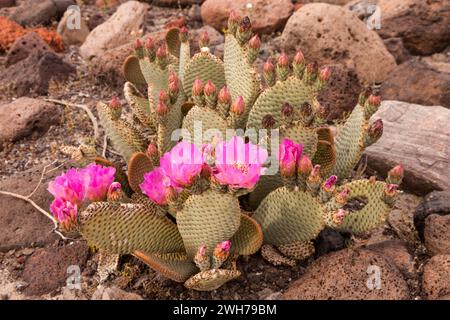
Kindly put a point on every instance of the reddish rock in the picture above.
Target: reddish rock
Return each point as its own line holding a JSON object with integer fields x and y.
{"x": 342, "y": 91}
{"x": 29, "y": 44}
{"x": 114, "y": 293}
{"x": 397, "y": 252}
{"x": 436, "y": 277}
{"x": 7, "y": 3}
{"x": 25, "y": 117}
{"x": 437, "y": 234}
{"x": 417, "y": 81}
{"x": 176, "y": 3}
{"x": 266, "y": 16}
{"x": 47, "y": 269}
{"x": 397, "y": 49}
{"x": 21, "y": 225}
{"x": 347, "y": 274}
{"x": 332, "y": 34}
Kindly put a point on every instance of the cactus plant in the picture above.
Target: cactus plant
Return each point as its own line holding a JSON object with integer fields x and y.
{"x": 178, "y": 208}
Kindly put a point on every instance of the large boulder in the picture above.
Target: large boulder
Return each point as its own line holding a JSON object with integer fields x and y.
{"x": 266, "y": 16}
{"x": 329, "y": 34}
{"x": 418, "y": 81}
{"x": 417, "y": 137}
{"x": 436, "y": 277}
{"x": 350, "y": 275}
{"x": 437, "y": 234}
{"x": 23, "y": 47}
{"x": 116, "y": 31}
{"x": 423, "y": 25}
{"x": 25, "y": 117}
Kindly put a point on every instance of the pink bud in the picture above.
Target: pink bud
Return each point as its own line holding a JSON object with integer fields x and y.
{"x": 197, "y": 88}
{"x": 299, "y": 58}
{"x": 329, "y": 183}
{"x": 305, "y": 166}
{"x": 255, "y": 42}
{"x": 152, "y": 150}
{"x": 202, "y": 250}
{"x": 234, "y": 17}
{"x": 342, "y": 196}
{"x": 114, "y": 103}
{"x": 374, "y": 100}
{"x": 163, "y": 96}
{"x": 391, "y": 189}
{"x": 315, "y": 173}
{"x": 150, "y": 43}
{"x": 375, "y": 130}
{"x": 173, "y": 77}
{"x": 224, "y": 96}
{"x": 269, "y": 67}
{"x": 161, "y": 108}
{"x": 204, "y": 39}
{"x": 287, "y": 109}
{"x": 210, "y": 88}
{"x": 138, "y": 44}
{"x": 184, "y": 34}
{"x": 174, "y": 87}
{"x": 338, "y": 216}
{"x": 238, "y": 106}
{"x": 397, "y": 172}
{"x": 161, "y": 53}
{"x": 225, "y": 245}
{"x": 325, "y": 74}
{"x": 245, "y": 25}
{"x": 283, "y": 60}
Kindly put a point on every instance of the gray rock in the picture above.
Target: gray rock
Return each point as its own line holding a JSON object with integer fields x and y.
{"x": 114, "y": 293}
{"x": 72, "y": 36}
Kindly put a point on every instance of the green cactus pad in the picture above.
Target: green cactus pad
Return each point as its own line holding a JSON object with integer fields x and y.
{"x": 205, "y": 66}
{"x": 174, "y": 266}
{"x": 211, "y": 279}
{"x": 271, "y": 254}
{"x": 293, "y": 91}
{"x": 154, "y": 75}
{"x": 287, "y": 216}
{"x": 125, "y": 138}
{"x": 139, "y": 105}
{"x": 138, "y": 166}
{"x": 209, "y": 120}
{"x": 265, "y": 185}
{"x": 166, "y": 129}
{"x": 185, "y": 57}
{"x": 125, "y": 228}
{"x": 173, "y": 42}
{"x": 304, "y": 135}
{"x": 240, "y": 76}
{"x": 350, "y": 143}
{"x": 248, "y": 239}
{"x": 207, "y": 219}
{"x": 120, "y": 175}
{"x": 132, "y": 71}
{"x": 297, "y": 250}
{"x": 325, "y": 156}
{"x": 373, "y": 214}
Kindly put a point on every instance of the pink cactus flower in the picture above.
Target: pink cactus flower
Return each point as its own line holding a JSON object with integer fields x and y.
{"x": 158, "y": 186}
{"x": 183, "y": 163}
{"x": 65, "y": 212}
{"x": 68, "y": 187}
{"x": 225, "y": 245}
{"x": 289, "y": 155}
{"x": 329, "y": 183}
{"x": 239, "y": 164}
{"x": 97, "y": 180}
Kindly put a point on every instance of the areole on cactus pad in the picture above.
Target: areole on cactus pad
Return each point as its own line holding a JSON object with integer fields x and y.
{"x": 180, "y": 206}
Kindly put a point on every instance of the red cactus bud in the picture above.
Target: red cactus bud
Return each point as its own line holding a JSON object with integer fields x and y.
{"x": 163, "y": 96}
{"x": 315, "y": 172}
{"x": 161, "y": 108}
{"x": 210, "y": 88}
{"x": 397, "y": 172}
{"x": 114, "y": 192}
{"x": 114, "y": 103}
{"x": 391, "y": 190}
{"x": 255, "y": 42}
{"x": 269, "y": 67}
{"x": 268, "y": 121}
{"x": 306, "y": 110}
{"x": 173, "y": 77}
{"x": 234, "y": 17}
{"x": 150, "y": 43}
{"x": 342, "y": 196}
{"x": 184, "y": 34}
{"x": 312, "y": 68}
{"x": 138, "y": 44}
{"x": 161, "y": 53}
{"x": 174, "y": 88}
{"x": 305, "y": 166}
{"x": 152, "y": 150}
{"x": 245, "y": 25}
{"x": 299, "y": 58}
{"x": 287, "y": 109}
{"x": 329, "y": 183}
{"x": 338, "y": 216}
{"x": 375, "y": 130}
{"x": 238, "y": 106}
{"x": 374, "y": 100}
{"x": 224, "y": 95}
{"x": 204, "y": 39}
{"x": 197, "y": 88}
{"x": 283, "y": 60}
{"x": 325, "y": 74}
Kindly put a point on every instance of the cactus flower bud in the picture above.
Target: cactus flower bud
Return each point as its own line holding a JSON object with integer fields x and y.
{"x": 283, "y": 66}
{"x": 201, "y": 258}
{"x": 374, "y": 100}
{"x": 338, "y": 216}
{"x": 269, "y": 73}
{"x": 283, "y": 60}
{"x": 173, "y": 77}
{"x": 371, "y": 106}
{"x": 395, "y": 175}
{"x": 139, "y": 48}
{"x": 365, "y": 95}
{"x": 114, "y": 192}
{"x": 391, "y": 190}
{"x": 299, "y": 58}
{"x": 174, "y": 88}
{"x": 233, "y": 21}
{"x": 184, "y": 34}
{"x": 268, "y": 121}
{"x": 329, "y": 183}
{"x": 152, "y": 150}
{"x": 311, "y": 72}
{"x": 197, "y": 88}
{"x": 375, "y": 130}
{"x": 115, "y": 107}
{"x": 314, "y": 176}
{"x": 289, "y": 155}
{"x": 163, "y": 96}
{"x": 161, "y": 108}
{"x": 244, "y": 31}
{"x": 255, "y": 42}
{"x": 224, "y": 95}
{"x": 210, "y": 88}
{"x": 114, "y": 103}
{"x": 305, "y": 166}
{"x": 204, "y": 40}
{"x": 222, "y": 249}
{"x": 238, "y": 106}
{"x": 287, "y": 110}
{"x": 161, "y": 56}
{"x": 269, "y": 67}
{"x": 342, "y": 196}
{"x": 150, "y": 44}
{"x": 325, "y": 74}
{"x": 201, "y": 252}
